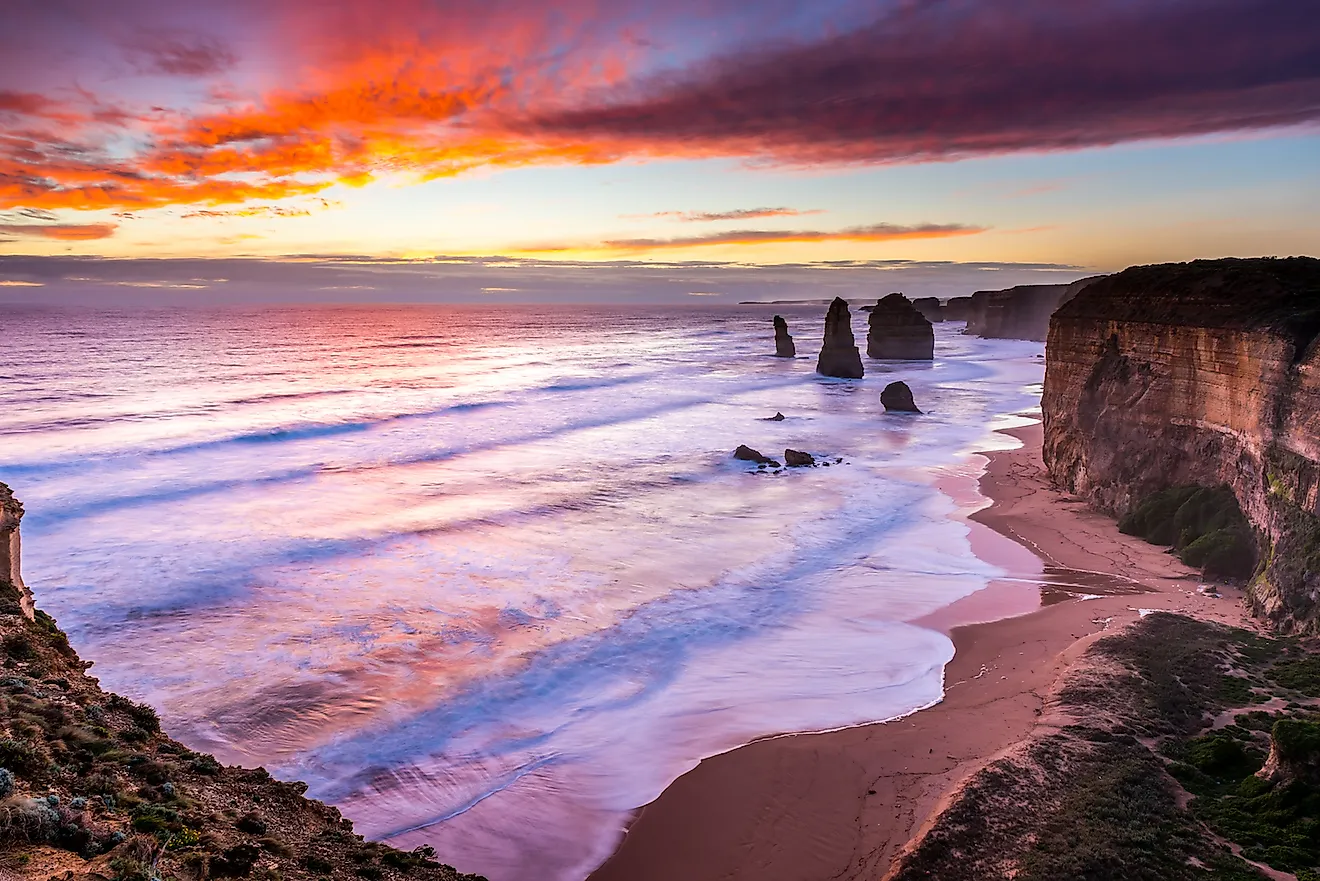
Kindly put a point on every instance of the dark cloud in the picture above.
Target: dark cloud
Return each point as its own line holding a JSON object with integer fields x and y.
{"x": 312, "y": 278}
{"x": 954, "y": 78}
{"x": 177, "y": 54}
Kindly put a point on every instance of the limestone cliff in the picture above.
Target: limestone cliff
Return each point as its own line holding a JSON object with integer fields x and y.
{"x": 1203, "y": 373}
{"x": 11, "y": 512}
{"x": 1018, "y": 313}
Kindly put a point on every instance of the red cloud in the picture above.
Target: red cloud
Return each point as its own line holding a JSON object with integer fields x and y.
{"x": 347, "y": 90}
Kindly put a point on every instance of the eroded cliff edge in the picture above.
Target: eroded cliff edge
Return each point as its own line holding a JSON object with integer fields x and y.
{"x": 1201, "y": 373}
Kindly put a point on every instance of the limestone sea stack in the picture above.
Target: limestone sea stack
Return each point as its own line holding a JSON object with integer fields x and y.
{"x": 11, "y": 576}
{"x": 1203, "y": 374}
{"x": 930, "y": 308}
{"x": 839, "y": 355}
{"x": 747, "y": 454}
{"x": 897, "y": 398}
{"x": 899, "y": 332}
{"x": 959, "y": 309}
{"x": 784, "y": 347}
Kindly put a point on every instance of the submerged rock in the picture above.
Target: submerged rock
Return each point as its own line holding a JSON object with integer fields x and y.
{"x": 778, "y": 417}
{"x": 897, "y": 398}
{"x": 798, "y": 459}
{"x": 784, "y": 347}
{"x": 747, "y": 454}
{"x": 839, "y": 355}
{"x": 899, "y": 332}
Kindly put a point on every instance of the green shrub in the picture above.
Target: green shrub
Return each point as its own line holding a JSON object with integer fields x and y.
{"x": 1205, "y": 525}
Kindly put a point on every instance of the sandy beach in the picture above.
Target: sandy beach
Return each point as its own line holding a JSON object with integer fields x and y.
{"x": 844, "y": 804}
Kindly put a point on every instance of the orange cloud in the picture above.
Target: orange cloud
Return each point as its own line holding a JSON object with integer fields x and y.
{"x": 320, "y": 92}
{"x": 878, "y": 232}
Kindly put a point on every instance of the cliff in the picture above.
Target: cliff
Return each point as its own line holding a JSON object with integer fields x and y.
{"x": 897, "y": 331}
{"x": 1199, "y": 374}
{"x": 11, "y": 575}
{"x": 1018, "y": 313}
{"x": 91, "y": 789}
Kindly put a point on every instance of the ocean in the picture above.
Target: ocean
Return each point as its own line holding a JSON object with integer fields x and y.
{"x": 490, "y": 578}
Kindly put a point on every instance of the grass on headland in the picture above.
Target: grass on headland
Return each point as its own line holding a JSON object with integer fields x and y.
{"x": 1100, "y": 800}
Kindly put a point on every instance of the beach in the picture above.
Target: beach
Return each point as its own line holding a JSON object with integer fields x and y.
{"x": 844, "y": 804}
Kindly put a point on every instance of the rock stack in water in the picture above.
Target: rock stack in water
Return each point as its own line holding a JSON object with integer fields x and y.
{"x": 930, "y": 308}
{"x": 784, "y": 347}
{"x": 839, "y": 355}
{"x": 897, "y": 398}
{"x": 11, "y": 511}
{"x": 899, "y": 332}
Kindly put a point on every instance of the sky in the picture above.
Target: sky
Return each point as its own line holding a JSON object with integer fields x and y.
{"x": 523, "y": 150}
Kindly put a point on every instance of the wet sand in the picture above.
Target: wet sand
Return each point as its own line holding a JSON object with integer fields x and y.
{"x": 842, "y": 805}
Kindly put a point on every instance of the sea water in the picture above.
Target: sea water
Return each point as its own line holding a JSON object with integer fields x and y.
{"x": 490, "y": 579}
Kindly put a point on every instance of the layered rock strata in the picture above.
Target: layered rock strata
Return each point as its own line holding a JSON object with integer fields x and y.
{"x": 897, "y": 331}
{"x": 838, "y": 354}
{"x": 784, "y": 347}
{"x": 1205, "y": 373}
{"x": 11, "y": 512}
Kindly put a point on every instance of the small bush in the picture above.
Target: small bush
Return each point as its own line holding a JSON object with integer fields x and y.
{"x": 29, "y": 820}
{"x": 6, "y": 783}
{"x": 318, "y": 864}
{"x": 18, "y": 645}
{"x": 25, "y": 757}
{"x": 251, "y": 823}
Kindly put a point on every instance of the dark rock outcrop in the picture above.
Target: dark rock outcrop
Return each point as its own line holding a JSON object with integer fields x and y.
{"x": 1199, "y": 374}
{"x": 747, "y": 454}
{"x": 959, "y": 309}
{"x": 11, "y": 569}
{"x": 930, "y": 308}
{"x": 778, "y": 417}
{"x": 839, "y": 355}
{"x": 784, "y": 347}
{"x": 1019, "y": 313}
{"x": 899, "y": 332}
{"x": 897, "y": 398}
{"x": 798, "y": 459}
{"x": 1294, "y": 753}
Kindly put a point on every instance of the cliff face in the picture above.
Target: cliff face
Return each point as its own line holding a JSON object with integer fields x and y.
{"x": 1203, "y": 373}
{"x": 1018, "y": 313}
{"x": 11, "y": 512}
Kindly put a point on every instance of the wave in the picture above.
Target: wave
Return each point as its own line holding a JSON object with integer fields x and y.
{"x": 52, "y": 513}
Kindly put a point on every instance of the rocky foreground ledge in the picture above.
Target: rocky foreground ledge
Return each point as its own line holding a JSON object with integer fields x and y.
{"x": 90, "y": 788}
